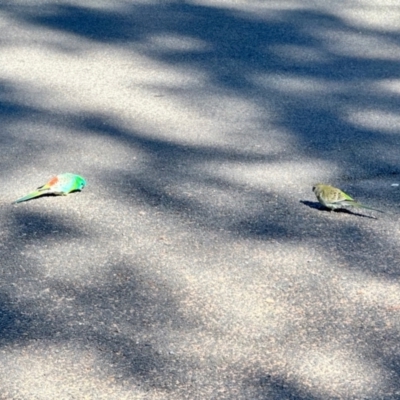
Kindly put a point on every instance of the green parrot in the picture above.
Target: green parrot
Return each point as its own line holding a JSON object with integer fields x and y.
{"x": 334, "y": 198}
{"x": 61, "y": 185}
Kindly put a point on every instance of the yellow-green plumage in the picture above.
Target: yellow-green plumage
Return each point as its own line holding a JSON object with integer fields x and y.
{"x": 59, "y": 185}
{"x": 334, "y": 198}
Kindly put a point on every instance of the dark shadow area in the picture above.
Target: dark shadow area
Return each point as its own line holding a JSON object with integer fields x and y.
{"x": 314, "y": 205}
{"x": 269, "y": 387}
{"x": 13, "y": 324}
{"x": 29, "y": 225}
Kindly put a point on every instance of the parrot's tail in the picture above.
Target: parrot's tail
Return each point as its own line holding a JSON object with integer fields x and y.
{"x": 359, "y": 205}
{"x": 371, "y": 208}
{"x": 29, "y": 196}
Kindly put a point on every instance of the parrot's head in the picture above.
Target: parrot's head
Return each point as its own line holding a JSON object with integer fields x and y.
{"x": 81, "y": 183}
{"x": 316, "y": 186}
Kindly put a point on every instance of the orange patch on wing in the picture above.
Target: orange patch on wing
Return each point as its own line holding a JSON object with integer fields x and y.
{"x": 52, "y": 181}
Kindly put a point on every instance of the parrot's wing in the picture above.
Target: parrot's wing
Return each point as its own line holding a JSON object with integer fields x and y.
{"x": 346, "y": 196}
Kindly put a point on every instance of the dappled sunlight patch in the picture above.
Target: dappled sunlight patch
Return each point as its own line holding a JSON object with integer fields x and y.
{"x": 59, "y": 371}
{"x": 252, "y": 315}
{"x": 109, "y": 6}
{"x": 329, "y": 372}
{"x": 208, "y": 122}
{"x": 122, "y": 87}
{"x": 378, "y": 292}
{"x": 215, "y": 198}
{"x": 81, "y": 259}
{"x": 252, "y": 299}
{"x": 234, "y": 112}
{"x": 374, "y": 15}
{"x": 300, "y": 55}
{"x": 358, "y": 45}
{"x": 282, "y": 175}
{"x": 160, "y": 103}
{"x": 294, "y": 85}
{"x": 375, "y": 119}
{"x": 255, "y": 6}
{"x": 390, "y": 86}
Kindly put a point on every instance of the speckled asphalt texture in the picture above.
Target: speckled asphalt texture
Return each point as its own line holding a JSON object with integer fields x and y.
{"x": 197, "y": 264}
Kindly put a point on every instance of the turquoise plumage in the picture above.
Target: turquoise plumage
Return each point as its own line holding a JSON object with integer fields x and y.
{"x": 59, "y": 185}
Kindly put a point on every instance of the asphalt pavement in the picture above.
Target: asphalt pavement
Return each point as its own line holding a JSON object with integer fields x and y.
{"x": 197, "y": 262}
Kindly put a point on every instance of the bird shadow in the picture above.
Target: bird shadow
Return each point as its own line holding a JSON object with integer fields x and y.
{"x": 317, "y": 206}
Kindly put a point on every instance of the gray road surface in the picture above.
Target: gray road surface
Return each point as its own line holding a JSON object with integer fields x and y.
{"x": 197, "y": 264}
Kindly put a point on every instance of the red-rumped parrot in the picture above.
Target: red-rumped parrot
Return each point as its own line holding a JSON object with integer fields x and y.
{"x": 60, "y": 185}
